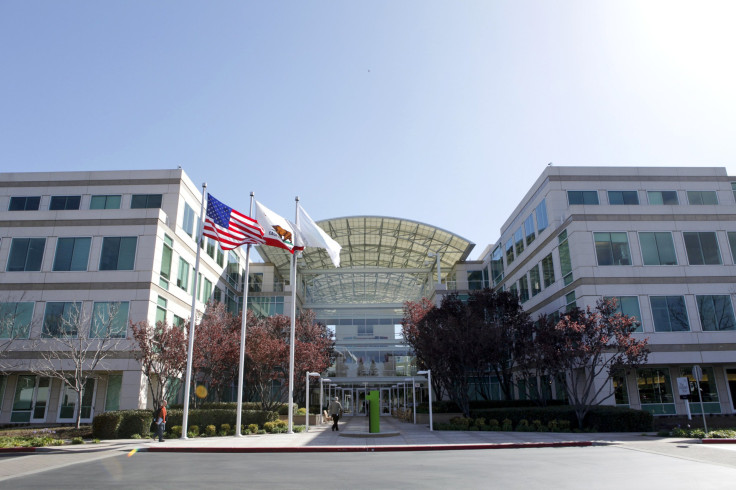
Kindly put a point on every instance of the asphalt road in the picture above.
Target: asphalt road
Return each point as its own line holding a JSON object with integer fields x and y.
{"x": 600, "y": 467}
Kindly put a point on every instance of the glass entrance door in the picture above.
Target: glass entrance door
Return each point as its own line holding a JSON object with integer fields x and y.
{"x": 385, "y": 401}
{"x": 731, "y": 376}
{"x": 347, "y": 401}
{"x": 31, "y": 399}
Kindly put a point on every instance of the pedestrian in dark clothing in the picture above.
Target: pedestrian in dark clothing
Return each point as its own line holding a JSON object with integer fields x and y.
{"x": 335, "y": 410}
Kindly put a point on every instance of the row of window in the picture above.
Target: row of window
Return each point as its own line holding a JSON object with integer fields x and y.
{"x": 72, "y": 254}
{"x": 669, "y": 198}
{"x": 669, "y": 313}
{"x": 64, "y": 319}
{"x": 526, "y": 233}
{"x": 65, "y": 203}
{"x": 658, "y": 248}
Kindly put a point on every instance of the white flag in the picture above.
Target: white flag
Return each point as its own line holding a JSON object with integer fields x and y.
{"x": 309, "y": 234}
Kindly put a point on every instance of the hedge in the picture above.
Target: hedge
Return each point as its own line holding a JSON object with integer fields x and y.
{"x": 122, "y": 424}
{"x": 451, "y": 407}
{"x": 598, "y": 419}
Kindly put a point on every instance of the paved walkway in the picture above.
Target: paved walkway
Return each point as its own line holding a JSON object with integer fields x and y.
{"x": 353, "y": 436}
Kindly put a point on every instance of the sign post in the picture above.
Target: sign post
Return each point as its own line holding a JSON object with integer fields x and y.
{"x": 698, "y": 375}
{"x": 683, "y": 388}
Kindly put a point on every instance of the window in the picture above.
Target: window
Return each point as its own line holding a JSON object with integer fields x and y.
{"x": 565, "y": 262}
{"x": 31, "y": 398}
{"x": 716, "y": 312}
{"x": 15, "y": 320}
{"x": 620, "y": 393}
{"x": 112, "y": 397}
{"x": 519, "y": 241}
{"x": 182, "y": 279}
{"x": 629, "y": 306}
{"x": 161, "y": 304}
{"x": 523, "y": 289}
{"x": 477, "y": 279}
{"x": 233, "y": 269}
{"x": 104, "y": 202}
{"x": 510, "y": 251}
{"x": 548, "y": 271}
{"x": 220, "y": 257}
{"x": 514, "y": 289}
{"x": 61, "y": 203}
{"x": 655, "y": 390}
{"x": 26, "y": 254}
{"x": 702, "y": 197}
{"x": 732, "y": 243}
{"x": 365, "y": 330}
{"x": 207, "y": 291}
{"x": 68, "y": 401}
{"x": 118, "y": 253}
{"x": 61, "y": 319}
{"x": 669, "y": 313}
{"x": 72, "y": 254}
{"x": 24, "y": 203}
{"x": 570, "y": 301}
{"x": 497, "y": 265}
{"x": 179, "y": 322}
{"x": 623, "y": 197}
{"x": 582, "y": 197}
{"x": 166, "y": 257}
{"x": 217, "y": 296}
{"x": 110, "y": 320}
{"x": 612, "y": 248}
{"x": 668, "y": 198}
{"x": 209, "y": 244}
{"x": 187, "y": 222}
{"x": 733, "y": 189}
{"x": 708, "y": 392}
{"x": 657, "y": 248}
{"x": 702, "y": 248}
{"x": 541, "y": 212}
{"x": 534, "y": 281}
{"x": 529, "y": 229}
{"x": 141, "y": 201}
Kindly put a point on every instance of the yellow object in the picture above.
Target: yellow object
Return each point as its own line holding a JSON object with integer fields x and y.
{"x": 201, "y": 391}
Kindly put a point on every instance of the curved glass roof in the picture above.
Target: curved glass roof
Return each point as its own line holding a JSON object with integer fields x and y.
{"x": 383, "y": 260}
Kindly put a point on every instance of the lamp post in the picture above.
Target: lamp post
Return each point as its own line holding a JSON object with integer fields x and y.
{"x": 307, "y": 398}
{"x": 413, "y": 400}
{"x": 428, "y": 372}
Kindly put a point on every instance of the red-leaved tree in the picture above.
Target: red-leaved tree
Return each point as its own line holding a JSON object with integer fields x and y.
{"x": 162, "y": 352}
{"x": 590, "y": 345}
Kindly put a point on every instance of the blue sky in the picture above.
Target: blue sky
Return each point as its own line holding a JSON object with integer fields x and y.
{"x": 440, "y": 112}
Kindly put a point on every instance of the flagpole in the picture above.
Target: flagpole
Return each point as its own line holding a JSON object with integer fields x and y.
{"x": 241, "y": 368}
{"x": 192, "y": 319}
{"x": 292, "y": 278}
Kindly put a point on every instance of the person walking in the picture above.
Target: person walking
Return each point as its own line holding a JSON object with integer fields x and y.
{"x": 335, "y": 410}
{"x": 161, "y": 421}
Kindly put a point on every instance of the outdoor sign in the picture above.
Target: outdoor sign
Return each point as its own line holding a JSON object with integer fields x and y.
{"x": 683, "y": 387}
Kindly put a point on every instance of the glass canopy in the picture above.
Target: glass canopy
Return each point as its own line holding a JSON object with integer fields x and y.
{"x": 383, "y": 261}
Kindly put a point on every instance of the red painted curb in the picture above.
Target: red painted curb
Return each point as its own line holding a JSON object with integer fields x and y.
{"x": 17, "y": 449}
{"x": 719, "y": 441}
{"x": 361, "y": 449}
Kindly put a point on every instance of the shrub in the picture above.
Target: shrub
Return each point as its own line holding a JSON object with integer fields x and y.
{"x": 538, "y": 426}
{"x": 210, "y": 430}
{"x": 523, "y": 426}
{"x": 261, "y": 431}
{"x": 300, "y": 428}
{"x": 226, "y": 429}
{"x": 105, "y": 425}
{"x": 461, "y": 422}
{"x": 722, "y": 434}
{"x": 193, "y": 429}
{"x": 480, "y": 421}
{"x": 60, "y": 442}
{"x": 507, "y": 425}
{"x": 175, "y": 431}
{"x": 79, "y": 440}
{"x": 284, "y": 408}
{"x": 663, "y": 433}
{"x": 133, "y": 422}
{"x": 253, "y": 428}
{"x": 301, "y": 411}
{"x": 135, "y": 436}
{"x": 493, "y": 424}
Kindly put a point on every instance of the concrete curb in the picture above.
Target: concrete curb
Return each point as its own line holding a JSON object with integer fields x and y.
{"x": 362, "y": 449}
{"x": 719, "y": 441}
{"x": 18, "y": 449}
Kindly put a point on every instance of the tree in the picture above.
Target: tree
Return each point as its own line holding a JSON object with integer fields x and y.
{"x": 414, "y": 312}
{"x": 216, "y": 356}
{"x": 72, "y": 348}
{"x": 162, "y": 352}
{"x": 267, "y": 351}
{"x": 589, "y": 346}
{"x": 537, "y": 355}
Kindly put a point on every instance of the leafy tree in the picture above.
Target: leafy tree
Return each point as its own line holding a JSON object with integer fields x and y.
{"x": 414, "y": 312}
{"x": 588, "y": 346}
{"x": 216, "y": 355}
{"x": 537, "y": 354}
{"x": 74, "y": 346}
{"x": 267, "y": 351}
{"x": 162, "y": 352}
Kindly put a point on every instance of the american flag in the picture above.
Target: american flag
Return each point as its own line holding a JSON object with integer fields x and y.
{"x": 229, "y": 227}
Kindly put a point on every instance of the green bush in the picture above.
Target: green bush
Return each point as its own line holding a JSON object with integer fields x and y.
{"x": 722, "y": 434}
{"x": 105, "y": 425}
{"x": 175, "y": 431}
{"x": 193, "y": 429}
{"x": 299, "y": 428}
{"x": 507, "y": 425}
{"x": 210, "y": 430}
{"x": 133, "y": 422}
{"x": 523, "y": 426}
{"x": 493, "y": 424}
{"x": 600, "y": 418}
{"x": 226, "y": 429}
{"x": 78, "y": 440}
{"x": 284, "y": 408}
{"x": 480, "y": 421}
{"x": 461, "y": 422}
{"x": 253, "y": 428}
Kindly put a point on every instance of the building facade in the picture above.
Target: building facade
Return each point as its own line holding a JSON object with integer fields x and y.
{"x": 81, "y": 248}
{"x": 662, "y": 241}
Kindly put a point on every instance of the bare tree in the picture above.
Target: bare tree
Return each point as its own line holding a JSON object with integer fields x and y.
{"x": 15, "y": 324}
{"x": 73, "y": 346}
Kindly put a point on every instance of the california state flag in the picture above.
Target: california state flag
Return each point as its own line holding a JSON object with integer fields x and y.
{"x": 279, "y": 232}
